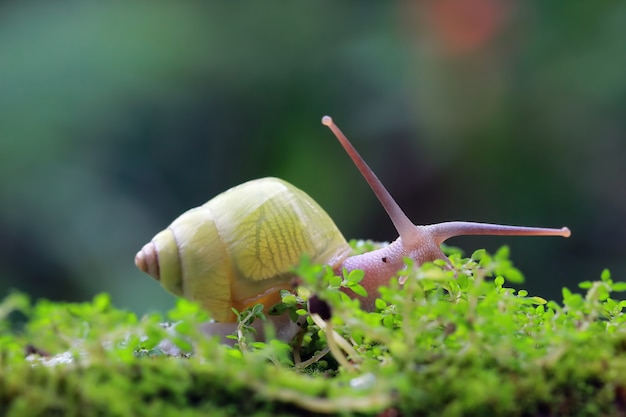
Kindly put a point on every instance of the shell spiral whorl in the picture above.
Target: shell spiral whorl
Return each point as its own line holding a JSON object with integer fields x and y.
{"x": 147, "y": 260}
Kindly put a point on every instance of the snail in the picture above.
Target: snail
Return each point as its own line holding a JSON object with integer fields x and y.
{"x": 238, "y": 249}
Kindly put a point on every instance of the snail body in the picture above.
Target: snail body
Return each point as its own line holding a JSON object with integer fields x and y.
{"x": 238, "y": 249}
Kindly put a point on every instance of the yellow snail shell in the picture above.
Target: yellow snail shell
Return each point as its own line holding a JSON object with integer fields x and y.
{"x": 237, "y": 249}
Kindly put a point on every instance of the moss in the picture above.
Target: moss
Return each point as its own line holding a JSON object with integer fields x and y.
{"x": 447, "y": 343}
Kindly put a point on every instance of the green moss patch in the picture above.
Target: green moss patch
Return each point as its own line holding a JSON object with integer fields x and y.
{"x": 449, "y": 342}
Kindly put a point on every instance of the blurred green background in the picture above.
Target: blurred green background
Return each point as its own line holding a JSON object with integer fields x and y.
{"x": 117, "y": 117}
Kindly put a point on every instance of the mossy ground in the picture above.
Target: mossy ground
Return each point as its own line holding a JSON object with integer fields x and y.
{"x": 448, "y": 343}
